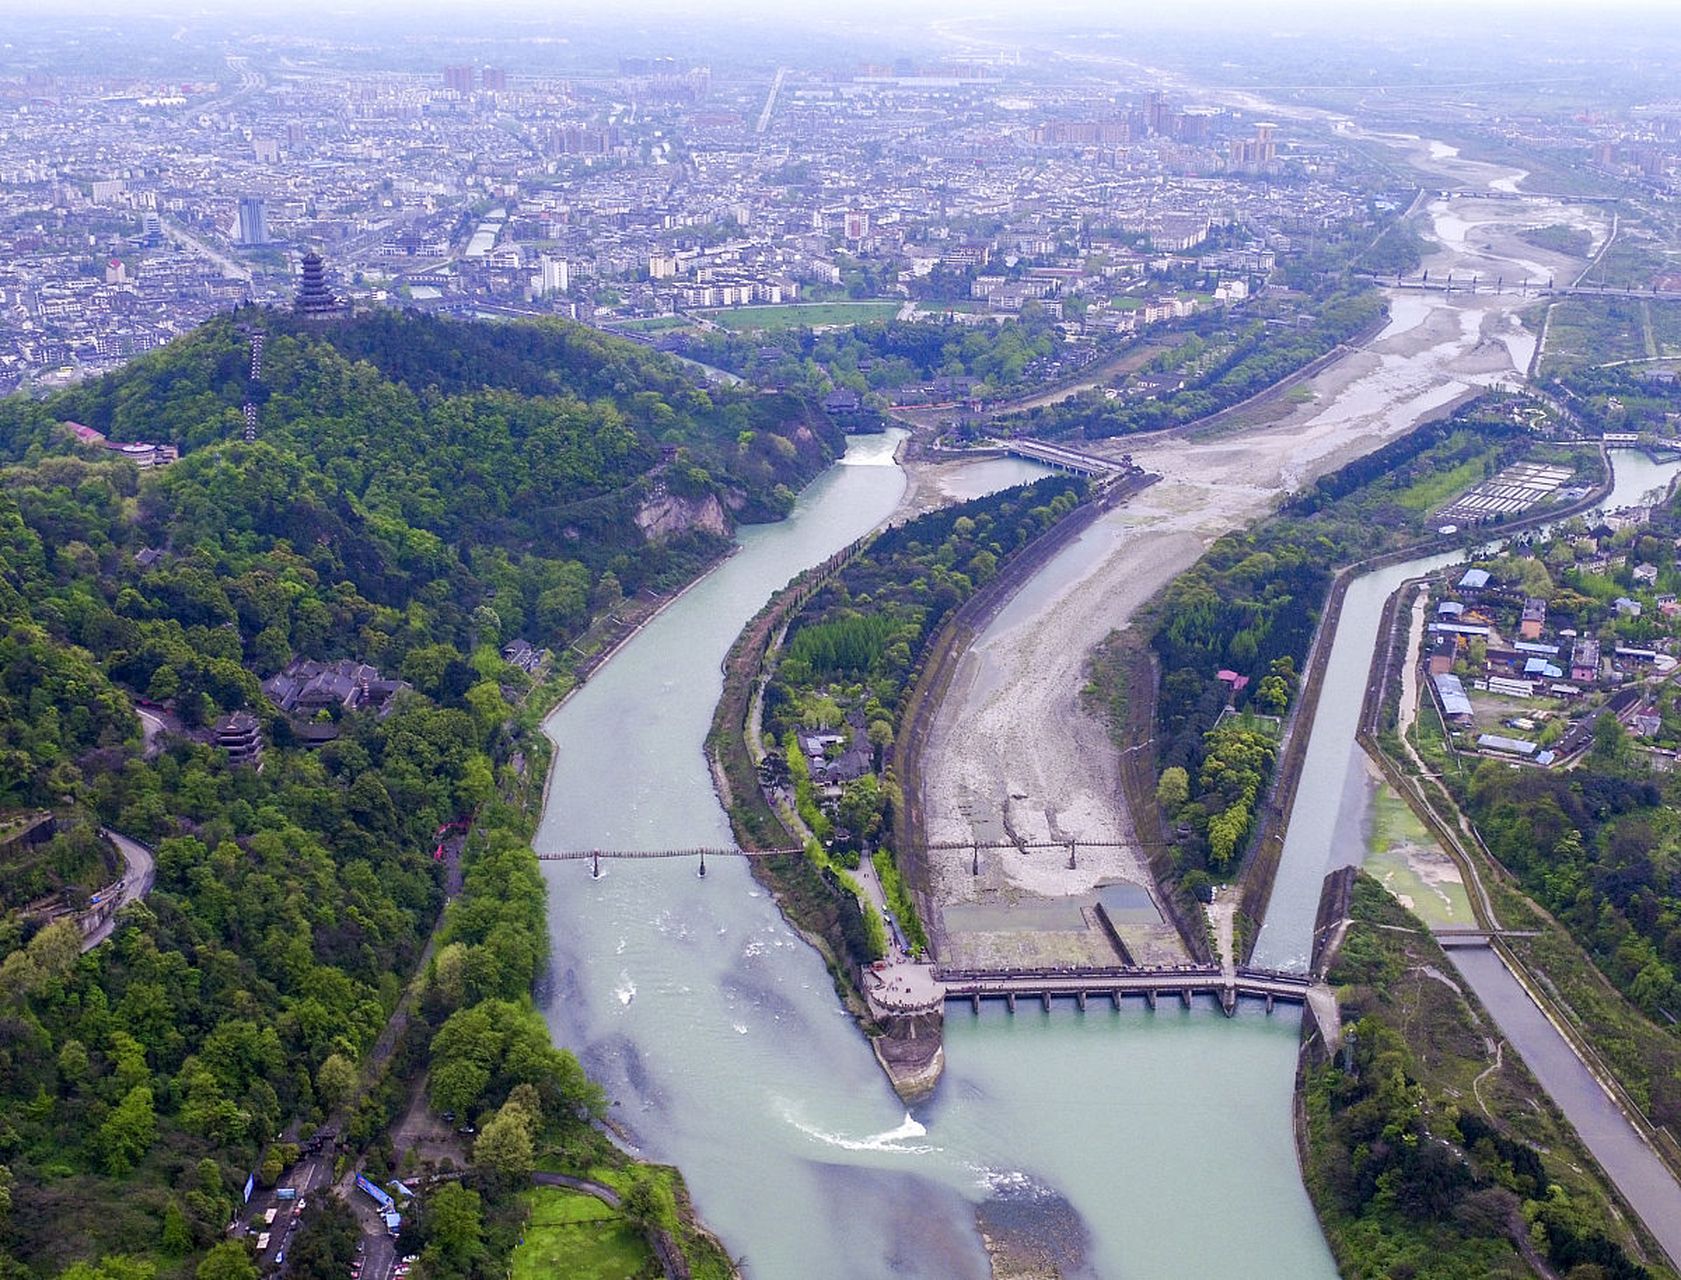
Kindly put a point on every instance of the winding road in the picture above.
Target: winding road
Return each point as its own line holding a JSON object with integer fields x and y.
{"x": 140, "y": 871}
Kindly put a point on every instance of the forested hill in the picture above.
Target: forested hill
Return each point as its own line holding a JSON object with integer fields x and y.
{"x": 420, "y": 492}
{"x": 531, "y": 425}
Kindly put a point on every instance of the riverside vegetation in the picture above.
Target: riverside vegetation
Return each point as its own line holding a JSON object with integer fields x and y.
{"x": 836, "y": 691}
{"x": 1426, "y": 1154}
{"x": 888, "y": 357}
{"x": 420, "y": 492}
{"x": 1597, "y": 847}
{"x": 1220, "y": 366}
{"x": 1249, "y": 607}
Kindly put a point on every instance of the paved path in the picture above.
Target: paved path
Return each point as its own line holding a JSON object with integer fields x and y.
{"x": 1222, "y": 911}
{"x": 152, "y": 728}
{"x": 140, "y": 872}
{"x": 605, "y": 1194}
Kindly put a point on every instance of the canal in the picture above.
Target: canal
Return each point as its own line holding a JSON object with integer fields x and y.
{"x": 1648, "y": 1186}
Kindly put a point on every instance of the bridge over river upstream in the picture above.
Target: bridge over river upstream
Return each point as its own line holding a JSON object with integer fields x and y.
{"x": 906, "y": 986}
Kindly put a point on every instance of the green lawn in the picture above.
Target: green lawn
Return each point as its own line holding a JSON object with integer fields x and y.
{"x": 799, "y": 315}
{"x": 1593, "y": 330}
{"x": 1405, "y": 859}
{"x": 655, "y": 324}
{"x": 574, "y": 1235}
{"x": 1436, "y": 490}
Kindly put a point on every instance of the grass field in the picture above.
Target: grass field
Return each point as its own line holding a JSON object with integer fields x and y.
{"x": 1589, "y": 331}
{"x": 802, "y": 315}
{"x": 1436, "y": 490}
{"x": 577, "y": 1236}
{"x": 1405, "y": 859}
{"x": 656, "y": 324}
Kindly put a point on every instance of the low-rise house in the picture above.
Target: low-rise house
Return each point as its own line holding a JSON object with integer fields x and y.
{"x": 1584, "y": 660}
{"x": 1456, "y": 703}
{"x": 1505, "y": 745}
{"x": 522, "y": 654}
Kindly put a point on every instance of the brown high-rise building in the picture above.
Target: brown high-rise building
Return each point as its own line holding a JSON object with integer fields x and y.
{"x": 493, "y": 80}
{"x": 459, "y": 78}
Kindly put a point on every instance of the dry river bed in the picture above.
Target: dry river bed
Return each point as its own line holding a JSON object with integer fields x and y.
{"x": 1014, "y": 757}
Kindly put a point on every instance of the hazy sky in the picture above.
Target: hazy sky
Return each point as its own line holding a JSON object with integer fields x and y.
{"x": 1349, "y": 15}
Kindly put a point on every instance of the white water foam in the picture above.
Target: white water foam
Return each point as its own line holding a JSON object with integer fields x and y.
{"x": 893, "y": 1140}
{"x": 626, "y": 990}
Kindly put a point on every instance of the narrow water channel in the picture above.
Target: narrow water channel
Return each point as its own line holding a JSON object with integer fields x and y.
{"x": 1327, "y": 822}
{"x": 1648, "y": 1186}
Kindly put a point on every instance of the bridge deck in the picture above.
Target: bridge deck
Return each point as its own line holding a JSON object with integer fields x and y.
{"x": 1053, "y": 455}
{"x": 1185, "y": 982}
{"x": 728, "y": 851}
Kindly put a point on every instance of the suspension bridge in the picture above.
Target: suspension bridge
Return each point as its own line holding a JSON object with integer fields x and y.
{"x": 595, "y": 857}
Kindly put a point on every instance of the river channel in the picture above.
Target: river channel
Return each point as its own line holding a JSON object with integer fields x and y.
{"x": 1149, "y": 1144}
{"x": 1327, "y": 830}
{"x": 716, "y": 1030}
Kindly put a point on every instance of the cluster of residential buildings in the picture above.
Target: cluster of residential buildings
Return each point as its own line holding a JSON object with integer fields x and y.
{"x": 1511, "y": 681}
{"x": 131, "y": 209}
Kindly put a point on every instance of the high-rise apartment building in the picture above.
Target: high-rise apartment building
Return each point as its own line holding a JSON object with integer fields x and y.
{"x": 556, "y": 275}
{"x": 253, "y": 221}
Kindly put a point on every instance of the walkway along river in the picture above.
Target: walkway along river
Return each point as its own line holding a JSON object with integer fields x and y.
{"x": 1645, "y": 1182}
{"x": 1327, "y": 829}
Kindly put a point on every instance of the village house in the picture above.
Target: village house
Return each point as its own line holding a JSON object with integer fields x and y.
{"x": 306, "y": 687}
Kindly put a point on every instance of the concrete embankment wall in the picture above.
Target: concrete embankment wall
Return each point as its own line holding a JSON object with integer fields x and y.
{"x": 1136, "y": 758}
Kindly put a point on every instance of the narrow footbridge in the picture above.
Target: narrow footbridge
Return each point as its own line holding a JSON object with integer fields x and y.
{"x": 1117, "y": 983}
{"x": 1477, "y": 937}
{"x": 595, "y": 857}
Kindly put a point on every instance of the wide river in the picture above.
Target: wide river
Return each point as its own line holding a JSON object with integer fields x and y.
{"x": 1158, "y": 1143}
{"x": 717, "y": 1031}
